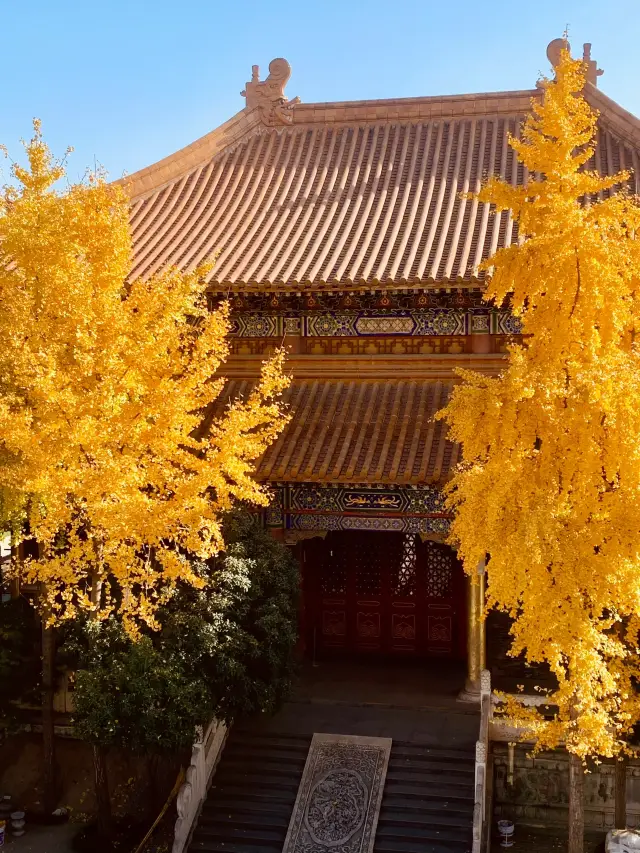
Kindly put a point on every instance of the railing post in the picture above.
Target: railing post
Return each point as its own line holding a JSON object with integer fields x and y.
{"x": 480, "y": 817}
{"x": 207, "y": 748}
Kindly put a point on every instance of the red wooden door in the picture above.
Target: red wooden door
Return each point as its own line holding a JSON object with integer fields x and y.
{"x": 404, "y": 573}
{"x": 389, "y": 593}
{"x": 443, "y": 597}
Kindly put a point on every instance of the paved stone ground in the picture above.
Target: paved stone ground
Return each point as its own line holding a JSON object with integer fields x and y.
{"x": 407, "y": 684}
{"x": 409, "y": 702}
{"x": 58, "y": 839}
{"x": 433, "y": 727}
{"x": 529, "y": 840}
{"x": 43, "y": 839}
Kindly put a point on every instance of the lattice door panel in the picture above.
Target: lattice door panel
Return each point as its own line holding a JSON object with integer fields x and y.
{"x": 334, "y": 577}
{"x": 404, "y": 574}
{"x": 441, "y": 571}
{"x": 333, "y": 580}
{"x": 404, "y": 615}
{"x": 385, "y": 593}
{"x": 368, "y": 556}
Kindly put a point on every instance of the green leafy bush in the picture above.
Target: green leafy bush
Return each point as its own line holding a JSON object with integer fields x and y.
{"x": 226, "y": 651}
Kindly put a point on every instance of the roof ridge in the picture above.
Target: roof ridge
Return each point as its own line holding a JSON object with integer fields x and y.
{"x": 224, "y": 138}
{"x": 461, "y": 96}
{"x": 168, "y": 169}
{"x": 428, "y": 107}
{"x": 624, "y": 123}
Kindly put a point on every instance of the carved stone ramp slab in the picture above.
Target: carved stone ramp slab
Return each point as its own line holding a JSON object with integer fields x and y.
{"x": 338, "y": 802}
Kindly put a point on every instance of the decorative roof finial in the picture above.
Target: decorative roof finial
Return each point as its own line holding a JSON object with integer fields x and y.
{"x": 592, "y": 72}
{"x": 555, "y": 47}
{"x": 268, "y": 95}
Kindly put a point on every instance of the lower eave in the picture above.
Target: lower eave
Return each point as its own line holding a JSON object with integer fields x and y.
{"x": 221, "y": 288}
{"x": 348, "y": 431}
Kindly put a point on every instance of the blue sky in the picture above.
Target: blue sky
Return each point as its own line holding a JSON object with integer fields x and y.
{"x": 127, "y": 82}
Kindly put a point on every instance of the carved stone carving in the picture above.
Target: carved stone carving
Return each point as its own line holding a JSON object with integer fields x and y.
{"x": 481, "y": 752}
{"x": 205, "y": 753}
{"x": 337, "y": 806}
{"x": 339, "y": 798}
{"x": 432, "y": 537}
{"x": 485, "y": 681}
{"x": 268, "y": 95}
{"x": 292, "y": 537}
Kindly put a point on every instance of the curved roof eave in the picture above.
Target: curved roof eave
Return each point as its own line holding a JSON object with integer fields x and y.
{"x": 154, "y": 177}
{"x": 348, "y": 195}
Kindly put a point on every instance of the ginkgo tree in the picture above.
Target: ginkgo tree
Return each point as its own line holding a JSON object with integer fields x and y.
{"x": 103, "y": 386}
{"x": 550, "y": 486}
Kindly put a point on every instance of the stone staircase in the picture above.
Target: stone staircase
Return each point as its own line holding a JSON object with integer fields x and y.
{"x": 427, "y": 805}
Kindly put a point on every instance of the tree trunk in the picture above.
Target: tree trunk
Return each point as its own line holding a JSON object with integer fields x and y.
{"x": 152, "y": 776}
{"x": 576, "y": 805}
{"x": 620, "y": 821}
{"x": 48, "y": 746}
{"x": 103, "y": 800}
{"x": 101, "y": 779}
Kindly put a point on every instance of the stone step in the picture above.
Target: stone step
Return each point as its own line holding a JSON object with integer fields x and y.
{"x": 419, "y": 764}
{"x": 458, "y": 793}
{"x": 229, "y": 802}
{"x": 253, "y": 777}
{"x": 402, "y": 748}
{"x": 248, "y": 818}
{"x": 215, "y": 845}
{"x": 401, "y": 804}
{"x": 425, "y": 777}
{"x": 423, "y": 846}
{"x": 426, "y": 832}
{"x": 242, "y": 756}
{"x": 261, "y": 742}
{"x": 262, "y": 835}
{"x": 424, "y": 817}
{"x": 260, "y": 795}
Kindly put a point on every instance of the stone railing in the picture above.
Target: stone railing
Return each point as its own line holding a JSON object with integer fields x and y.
{"x": 480, "y": 816}
{"x": 206, "y": 751}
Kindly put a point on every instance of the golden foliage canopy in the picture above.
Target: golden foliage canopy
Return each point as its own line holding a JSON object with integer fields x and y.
{"x": 103, "y": 386}
{"x": 550, "y": 489}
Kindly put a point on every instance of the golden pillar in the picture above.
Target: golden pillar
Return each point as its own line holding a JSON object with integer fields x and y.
{"x": 476, "y": 635}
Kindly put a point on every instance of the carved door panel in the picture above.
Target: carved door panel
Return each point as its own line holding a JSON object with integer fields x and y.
{"x": 331, "y": 600}
{"x": 385, "y": 592}
{"x": 367, "y": 563}
{"x": 404, "y": 614}
{"x": 440, "y": 571}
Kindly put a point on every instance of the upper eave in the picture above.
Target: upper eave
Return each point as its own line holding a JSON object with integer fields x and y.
{"x": 349, "y": 195}
{"x": 157, "y": 175}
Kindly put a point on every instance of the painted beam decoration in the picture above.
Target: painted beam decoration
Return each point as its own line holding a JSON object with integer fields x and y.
{"x": 297, "y": 303}
{"x": 316, "y": 497}
{"x": 355, "y": 324}
{"x": 317, "y": 506}
{"x": 370, "y": 323}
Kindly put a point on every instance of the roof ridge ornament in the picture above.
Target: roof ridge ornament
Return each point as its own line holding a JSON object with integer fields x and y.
{"x": 554, "y": 49}
{"x": 268, "y": 95}
{"x": 592, "y": 72}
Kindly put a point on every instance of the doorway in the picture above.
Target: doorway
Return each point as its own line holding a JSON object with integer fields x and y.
{"x": 383, "y": 594}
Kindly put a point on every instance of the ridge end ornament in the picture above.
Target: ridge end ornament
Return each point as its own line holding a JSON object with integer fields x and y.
{"x": 554, "y": 49}
{"x": 268, "y": 95}
{"x": 592, "y": 72}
